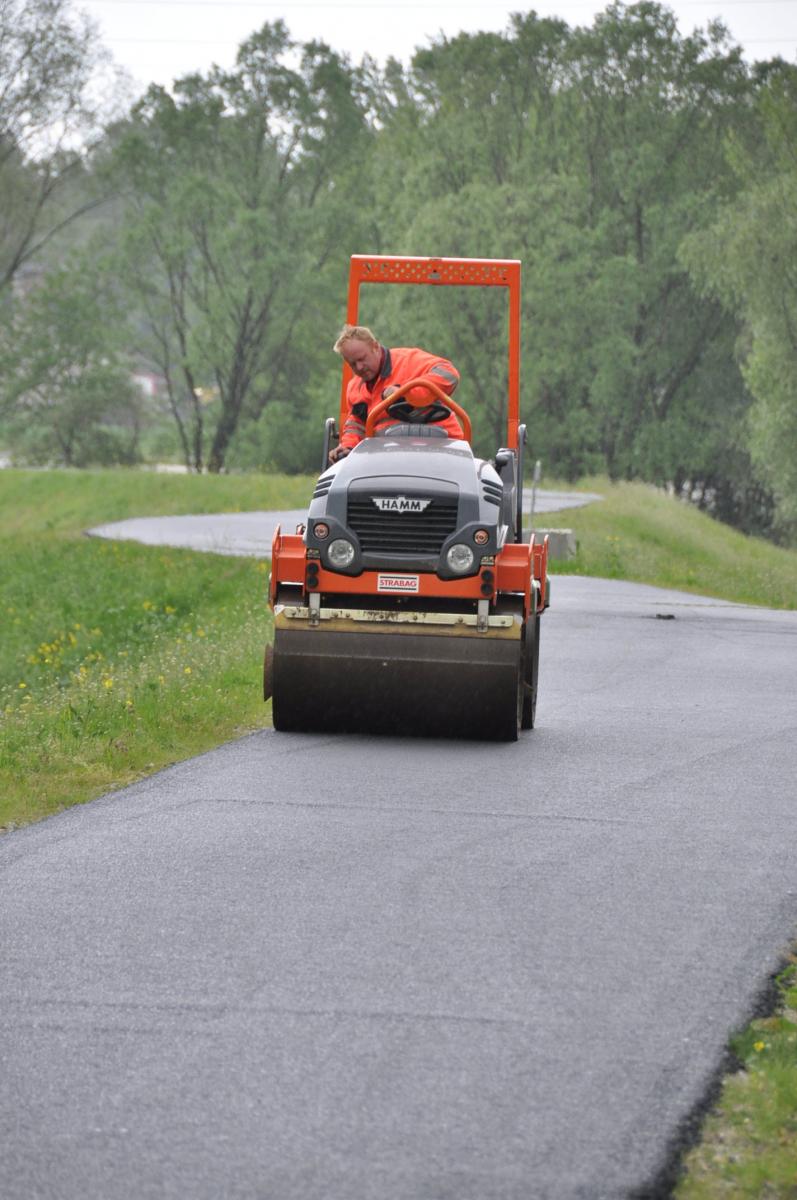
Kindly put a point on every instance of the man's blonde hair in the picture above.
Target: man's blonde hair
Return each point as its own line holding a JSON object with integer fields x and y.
{"x": 350, "y": 333}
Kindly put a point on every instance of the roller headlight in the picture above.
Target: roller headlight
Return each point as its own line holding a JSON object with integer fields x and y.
{"x": 460, "y": 558}
{"x": 340, "y": 553}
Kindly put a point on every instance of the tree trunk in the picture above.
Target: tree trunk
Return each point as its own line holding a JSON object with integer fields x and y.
{"x": 228, "y": 423}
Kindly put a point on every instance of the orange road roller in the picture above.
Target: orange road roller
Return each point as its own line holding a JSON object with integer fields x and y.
{"x": 409, "y": 603}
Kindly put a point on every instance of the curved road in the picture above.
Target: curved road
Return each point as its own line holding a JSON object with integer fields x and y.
{"x": 342, "y": 968}
{"x": 250, "y": 533}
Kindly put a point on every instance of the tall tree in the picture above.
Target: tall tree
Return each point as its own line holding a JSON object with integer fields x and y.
{"x": 589, "y": 154}
{"x": 748, "y": 258}
{"x": 236, "y": 208}
{"x": 67, "y": 393}
{"x": 49, "y": 60}
{"x": 651, "y": 108}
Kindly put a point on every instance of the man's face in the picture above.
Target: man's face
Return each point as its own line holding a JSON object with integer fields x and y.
{"x": 364, "y": 358}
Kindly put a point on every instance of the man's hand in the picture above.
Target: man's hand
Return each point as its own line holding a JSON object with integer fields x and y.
{"x": 338, "y": 452}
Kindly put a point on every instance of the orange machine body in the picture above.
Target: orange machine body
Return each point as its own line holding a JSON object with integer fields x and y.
{"x": 518, "y": 563}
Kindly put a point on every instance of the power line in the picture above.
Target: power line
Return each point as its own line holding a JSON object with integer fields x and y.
{"x": 235, "y": 41}
{"x": 340, "y": 4}
{"x": 395, "y": 8}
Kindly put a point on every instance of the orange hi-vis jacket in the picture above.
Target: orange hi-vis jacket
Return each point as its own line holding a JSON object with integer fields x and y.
{"x": 399, "y": 365}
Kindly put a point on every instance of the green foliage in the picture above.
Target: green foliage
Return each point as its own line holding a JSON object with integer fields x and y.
{"x": 48, "y": 61}
{"x": 746, "y": 257}
{"x": 749, "y": 1144}
{"x": 236, "y": 201}
{"x": 589, "y": 154}
{"x": 289, "y": 434}
{"x": 65, "y": 385}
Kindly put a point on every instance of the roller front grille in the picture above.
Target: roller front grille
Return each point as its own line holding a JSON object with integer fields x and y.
{"x": 402, "y": 532}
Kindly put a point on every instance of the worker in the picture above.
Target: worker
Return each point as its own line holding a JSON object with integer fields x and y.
{"x": 378, "y": 373}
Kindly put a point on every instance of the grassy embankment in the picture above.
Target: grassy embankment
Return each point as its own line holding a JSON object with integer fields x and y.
{"x": 748, "y": 1147}
{"x": 117, "y": 659}
{"x": 638, "y": 533}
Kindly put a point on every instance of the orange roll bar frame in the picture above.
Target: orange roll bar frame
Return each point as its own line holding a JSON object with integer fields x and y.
{"x": 457, "y": 272}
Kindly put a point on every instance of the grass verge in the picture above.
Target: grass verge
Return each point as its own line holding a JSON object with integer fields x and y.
{"x": 117, "y": 659}
{"x": 749, "y": 1141}
{"x": 637, "y": 532}
{"x": 69, "y": 502}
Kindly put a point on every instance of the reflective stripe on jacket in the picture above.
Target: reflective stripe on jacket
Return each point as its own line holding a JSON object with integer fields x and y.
{"x": 399, "y": 364}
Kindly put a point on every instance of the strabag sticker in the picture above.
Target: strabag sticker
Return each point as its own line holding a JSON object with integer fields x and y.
{"x": 397, "y": 583}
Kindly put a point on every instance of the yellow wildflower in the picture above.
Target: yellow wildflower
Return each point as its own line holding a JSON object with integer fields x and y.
{"x": 759, "y": 1046}
{"x": 108, "y": 682}
{"x": 186, "y": 671}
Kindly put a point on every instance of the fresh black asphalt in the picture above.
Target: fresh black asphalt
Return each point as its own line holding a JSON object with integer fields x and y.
{"x": 353, "y": 968}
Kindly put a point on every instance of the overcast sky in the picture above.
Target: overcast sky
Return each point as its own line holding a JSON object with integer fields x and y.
{"x": 159, "y": 40}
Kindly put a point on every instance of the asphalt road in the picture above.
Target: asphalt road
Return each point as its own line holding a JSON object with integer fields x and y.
{"x": 250, "y": 533}
{"x": 343, "y": 968}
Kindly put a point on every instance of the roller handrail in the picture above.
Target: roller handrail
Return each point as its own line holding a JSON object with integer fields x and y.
{"x": 521, "y": 446}
{"x": 401, "y": 394}
{"x": 330, "y": 438}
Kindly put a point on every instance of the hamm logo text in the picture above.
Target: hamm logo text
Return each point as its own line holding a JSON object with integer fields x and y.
{"x": 401, "y": 504}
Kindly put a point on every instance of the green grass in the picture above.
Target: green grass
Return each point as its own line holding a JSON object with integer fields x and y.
{"x": 117, "y": 659}
{"x": 749, "y": 1145}
{"x": 70, "y": 501}
{"x": 637, "y": 532}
